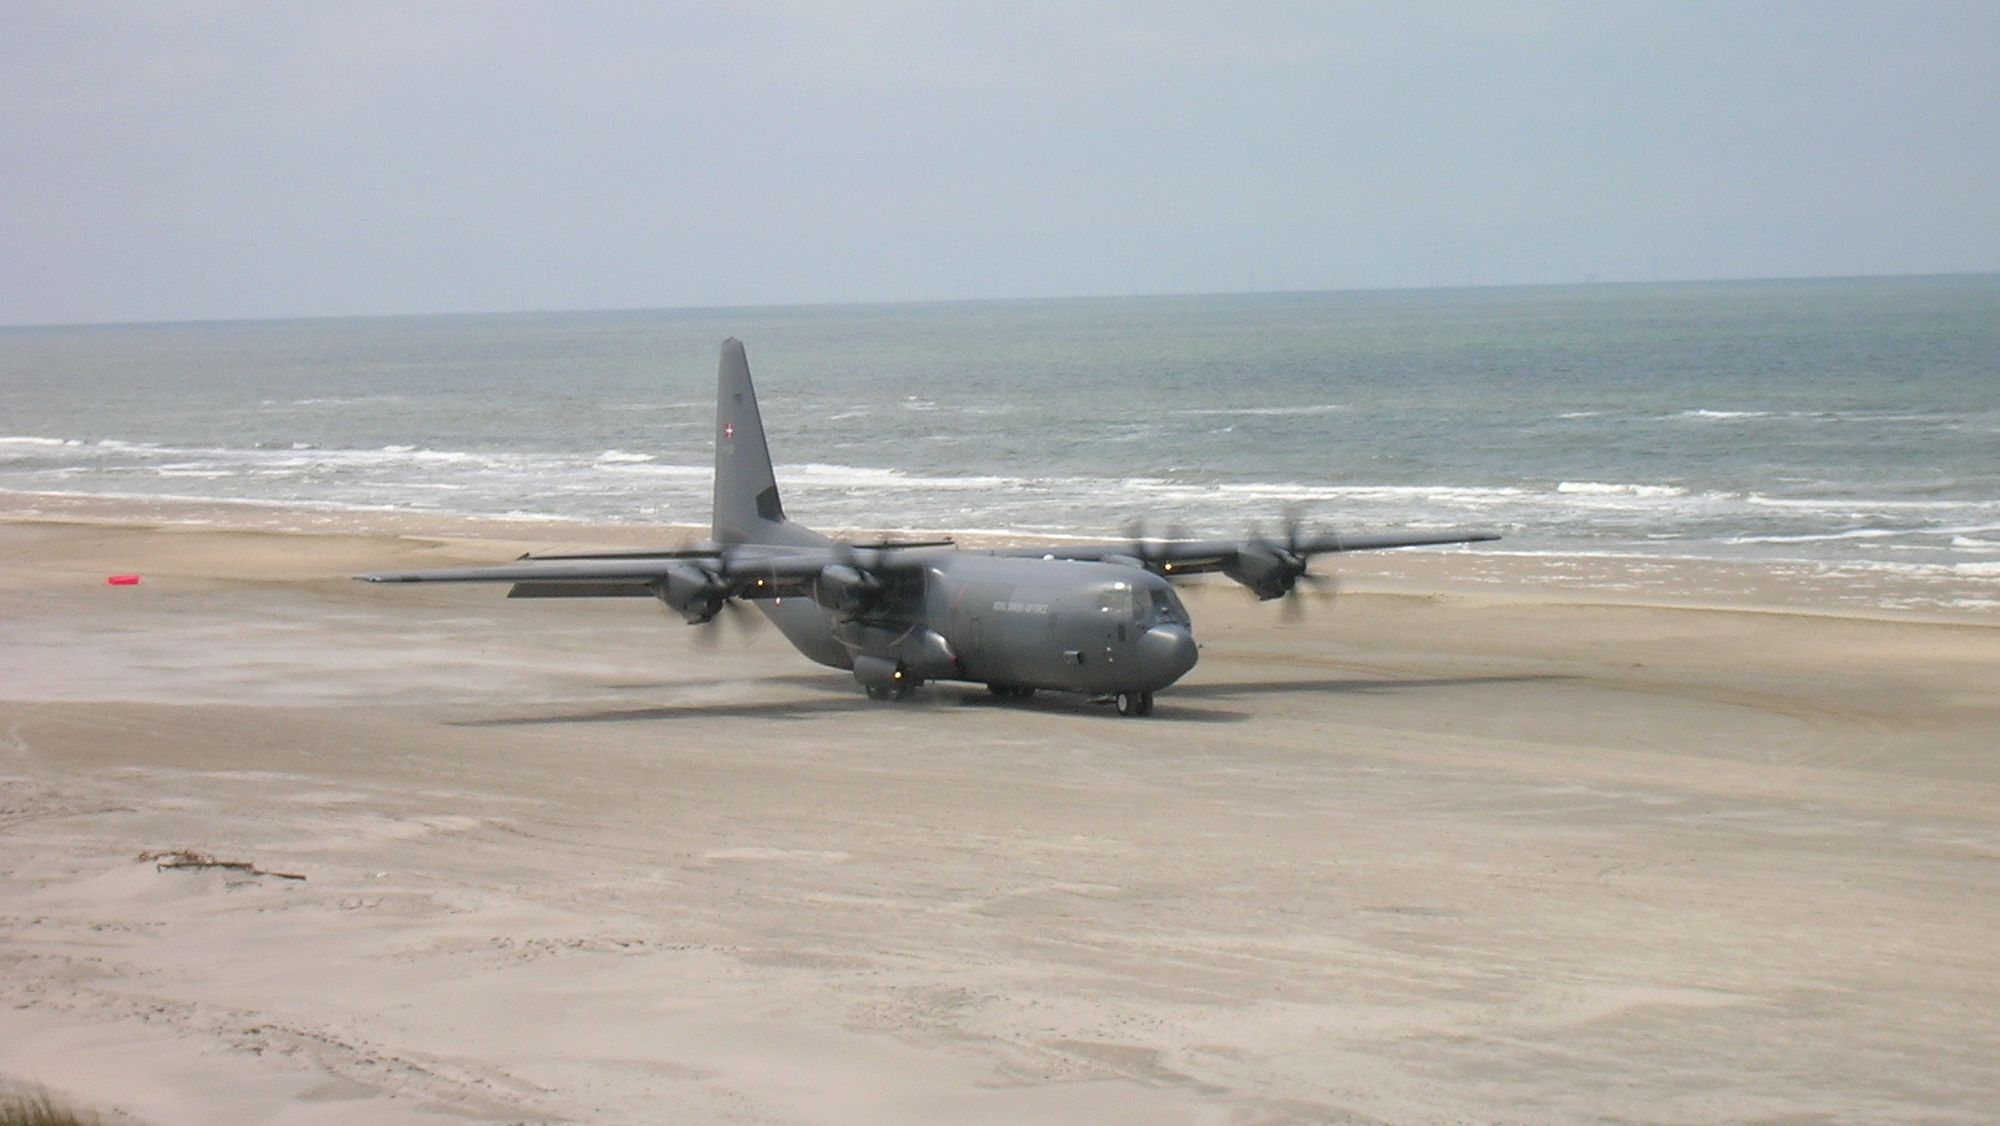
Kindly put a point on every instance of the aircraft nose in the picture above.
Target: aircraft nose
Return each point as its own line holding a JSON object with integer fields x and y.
{"x": 1166, "y": 653}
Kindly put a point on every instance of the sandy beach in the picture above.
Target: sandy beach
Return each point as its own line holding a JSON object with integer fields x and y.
{"x": 1489, "y": 840}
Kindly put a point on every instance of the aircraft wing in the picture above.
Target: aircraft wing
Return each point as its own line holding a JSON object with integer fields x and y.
{"x": 1195, "y": 557}
{"x": 749, "y": 575}
{"x": 1332, "y": 542}
{"x": 1270, "y": 568}
{"x": 703, "y": 577}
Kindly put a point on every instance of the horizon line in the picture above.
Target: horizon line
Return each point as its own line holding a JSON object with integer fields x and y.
{"x": 765, "y": 307}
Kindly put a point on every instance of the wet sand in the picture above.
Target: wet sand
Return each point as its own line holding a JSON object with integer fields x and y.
{"x": 1462, "y": 848}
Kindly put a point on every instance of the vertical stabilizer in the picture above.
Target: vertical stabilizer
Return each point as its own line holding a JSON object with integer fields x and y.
{"x": 746, "y": 493}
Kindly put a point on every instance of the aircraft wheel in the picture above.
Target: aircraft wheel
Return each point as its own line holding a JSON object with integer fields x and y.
{"x": 1134, "y": 703}
{"x": 1002, "y": 691}
{"x": 875, "y": 693}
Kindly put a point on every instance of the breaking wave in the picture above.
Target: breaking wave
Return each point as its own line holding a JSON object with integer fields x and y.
{"x": 1599, "y": 489}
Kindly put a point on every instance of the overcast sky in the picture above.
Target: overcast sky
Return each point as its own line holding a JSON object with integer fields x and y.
{"x": 219, "y": 160}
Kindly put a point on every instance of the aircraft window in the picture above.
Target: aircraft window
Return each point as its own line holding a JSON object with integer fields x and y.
{"x": 1167, "y": 608}
{"x": 1117, "y": 601}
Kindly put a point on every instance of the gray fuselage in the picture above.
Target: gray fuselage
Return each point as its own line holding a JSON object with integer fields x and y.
{"x": 1006, "y": 620}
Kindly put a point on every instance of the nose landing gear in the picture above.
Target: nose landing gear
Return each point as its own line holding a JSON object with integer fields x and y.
{"x": 1138, "y": 703}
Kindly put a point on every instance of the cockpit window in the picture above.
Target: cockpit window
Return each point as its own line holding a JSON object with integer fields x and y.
{"x": 1144, "y": 605}
{"x": 1117, "y": 601}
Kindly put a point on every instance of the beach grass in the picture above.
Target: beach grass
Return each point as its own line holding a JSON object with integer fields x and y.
{"x": 39, "y": 1108}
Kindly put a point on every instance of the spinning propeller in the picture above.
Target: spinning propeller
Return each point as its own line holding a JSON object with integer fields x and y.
{"x": 702, "y": 595}
{"x": 1149, "y": 550}
{"x": 1325, "y": 588}
{"x": 1279, "y": 569}
{"x": 1271, "y": 568}
{"x": 708, "y": 633}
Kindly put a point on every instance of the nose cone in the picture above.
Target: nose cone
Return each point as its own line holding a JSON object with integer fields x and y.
{"x": 1166, "y": 653}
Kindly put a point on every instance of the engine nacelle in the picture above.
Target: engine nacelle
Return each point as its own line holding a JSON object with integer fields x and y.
{"x": 1270, "y": 572}
{"x": 846, "y": 591}
{"x": 693, "y": 593}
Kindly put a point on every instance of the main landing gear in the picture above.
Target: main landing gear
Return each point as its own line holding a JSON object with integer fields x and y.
{"x": 1138, "y": 703}
{"x": 885, "y": 679}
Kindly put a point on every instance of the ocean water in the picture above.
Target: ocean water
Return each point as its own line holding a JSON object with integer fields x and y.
{"x": 1848, "y": 423}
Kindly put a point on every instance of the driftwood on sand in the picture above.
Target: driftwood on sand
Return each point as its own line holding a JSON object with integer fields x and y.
{"x": 185, "y": 858}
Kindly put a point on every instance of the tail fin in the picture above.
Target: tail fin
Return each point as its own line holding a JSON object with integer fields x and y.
{"x": 747, "y": 509}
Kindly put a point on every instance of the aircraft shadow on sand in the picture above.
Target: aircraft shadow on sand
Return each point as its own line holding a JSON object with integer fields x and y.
{"x": 1355, "y": 684}
{"x": 844, "y": 703}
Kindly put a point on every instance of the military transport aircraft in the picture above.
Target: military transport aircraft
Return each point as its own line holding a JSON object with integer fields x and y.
{"x": 1101, "y": 620}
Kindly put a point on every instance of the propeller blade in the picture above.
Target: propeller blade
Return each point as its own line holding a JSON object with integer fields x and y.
{"x": 745, "y": 620}
{"x": 1139, "y": 545}
{"x": 1322, "y": 586}
{"x": 1291, "y": 610}
{"x": 864, "y": 560}
{"x": 1324, "y": 589}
